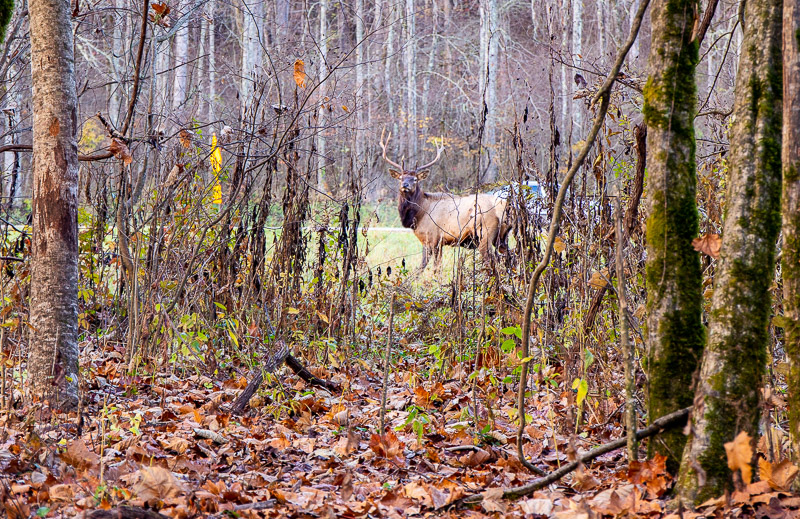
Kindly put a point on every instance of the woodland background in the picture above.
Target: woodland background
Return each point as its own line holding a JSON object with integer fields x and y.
{"x": 234, "y": 205}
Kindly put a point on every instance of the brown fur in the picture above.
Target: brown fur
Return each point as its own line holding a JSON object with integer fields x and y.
{"x": 440, "y": 219}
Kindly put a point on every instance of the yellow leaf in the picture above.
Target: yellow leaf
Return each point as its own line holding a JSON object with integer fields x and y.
{"x": 558, "y": 245}
{"x": 345, "y": 108}
{"x": 740, "y": 455}
{"x": 300, "y": 73}
{"x": 216, "y": 164}
{"x": 292, "y": 311}
{"x": 323, "y": 317}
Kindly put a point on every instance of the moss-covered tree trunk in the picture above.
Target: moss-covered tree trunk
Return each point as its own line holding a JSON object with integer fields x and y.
{"x": 675, "y": 333}
{"x": 790, "y": 265}
{"x": 727, "y": 398}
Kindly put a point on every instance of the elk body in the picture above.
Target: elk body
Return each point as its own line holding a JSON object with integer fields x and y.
{"x": 444, "y": 219}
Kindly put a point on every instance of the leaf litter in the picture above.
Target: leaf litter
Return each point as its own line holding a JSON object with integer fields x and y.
{"x": 168, "y": 445}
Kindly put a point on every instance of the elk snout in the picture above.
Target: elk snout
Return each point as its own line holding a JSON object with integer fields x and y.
{"x": 407, "y": 185}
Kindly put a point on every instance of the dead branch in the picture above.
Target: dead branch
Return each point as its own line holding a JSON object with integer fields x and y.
{"x": 669, "y": 421}
{"x": 281, "y": 357}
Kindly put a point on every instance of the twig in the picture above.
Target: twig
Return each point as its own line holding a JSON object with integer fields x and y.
{"x": 386, "y": 362}
{"x": 673, "y": 419}
{"x": 625, "y": 343}
{"x": 604, "y": 96}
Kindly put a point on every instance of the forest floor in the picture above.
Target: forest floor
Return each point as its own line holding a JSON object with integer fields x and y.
{"x": 167, "y": 442}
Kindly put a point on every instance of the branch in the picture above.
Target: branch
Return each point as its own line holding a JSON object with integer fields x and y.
{"x": 701, "y": 30}
{"x": 85, "y": 158}
{"x": 137, "y": 70}
{"x": 604, "y": 96}
{"x": 665, "y": 422}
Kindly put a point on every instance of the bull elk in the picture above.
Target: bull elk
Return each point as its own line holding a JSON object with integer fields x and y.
{"x": 439, "y": 219}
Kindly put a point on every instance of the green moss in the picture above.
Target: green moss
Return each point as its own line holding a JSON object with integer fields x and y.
{"x": 6, "y": 12}
{"x": 673, "y": 271}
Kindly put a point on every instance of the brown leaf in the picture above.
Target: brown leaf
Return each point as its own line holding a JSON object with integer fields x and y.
{"x": 493, "y": 500}
{"x": 708, "y": 244}
{"x": 418, "y": 490}
{"x": 79, "y": 456}
{"x": 537, "y": 507}
{"x": 61, "y": 492}
{"x": 300, "y": 73}
{"x": 740, "y": 455}
{"x": 346, "y": 486}
{"x": 157, "y": 484}
{"x": 160, "y": 9}
{"x": 120, "y": 151}
{"x": 558, "y": 245}
{"x": 598, "y": 279}
{"x": 780, "y": 476}
{"x": 388, "y": 446}
{"x": 186, "y": 138}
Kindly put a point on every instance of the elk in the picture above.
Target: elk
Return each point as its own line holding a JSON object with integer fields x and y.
{"x": 439, "y": 219}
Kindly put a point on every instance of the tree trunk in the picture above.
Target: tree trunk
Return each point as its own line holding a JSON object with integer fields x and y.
{"x": 411, "y": 80}
{"x": 577, "y": 59}
{"x": 490, "y": 38}
{"x": 251, "y": 49}
{"x": 790, "y": 264}
{"x": 212, "y": 61}
{"x": 53, "y": 339}
{"x": 675, "y": 334}
{"x": 180, "y": 84}
{"x": 323, "y": 73}
{"x": 728, "y": 394}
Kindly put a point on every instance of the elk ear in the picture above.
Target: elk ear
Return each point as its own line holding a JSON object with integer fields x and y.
{"x": 396, "y": 174}
{"x": 422, "y": 175}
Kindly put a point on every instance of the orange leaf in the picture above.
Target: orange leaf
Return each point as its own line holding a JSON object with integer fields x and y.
{"x": 121, "y": 151}
{"x": 740, "y": 455}
{"x": 300, "y": 73}
{"x": 709, "y": 244}
{"x": 186, "y": 139}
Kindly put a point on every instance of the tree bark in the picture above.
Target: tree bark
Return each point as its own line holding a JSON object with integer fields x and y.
{"x": 490, "y": 39}
{"x": 728, "y": 394}
{"x": 411, "y": 79}
{"x": 53, "y": 339}
{"x": 790, "y": 265}
{"x": 675, "y": 334}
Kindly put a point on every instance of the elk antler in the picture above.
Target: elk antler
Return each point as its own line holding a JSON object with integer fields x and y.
{"x": 383, "y": 145}
{"x": 439, "y": 150}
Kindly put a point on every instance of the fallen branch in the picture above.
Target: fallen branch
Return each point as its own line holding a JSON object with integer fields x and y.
{"x": 678, "y": 418}
{"x": 281, "y": 357}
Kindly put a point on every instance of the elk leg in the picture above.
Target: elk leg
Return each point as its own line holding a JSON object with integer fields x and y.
{"x": 437, "y": 260}
{"x": 425, "y": 254}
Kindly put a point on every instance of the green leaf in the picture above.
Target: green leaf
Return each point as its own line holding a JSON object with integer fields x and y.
{"x": 42, "y": 511}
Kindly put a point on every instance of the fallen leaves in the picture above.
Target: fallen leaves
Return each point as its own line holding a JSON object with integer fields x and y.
{"x": 156, "y": 484}
{"x": 779, "y": 476}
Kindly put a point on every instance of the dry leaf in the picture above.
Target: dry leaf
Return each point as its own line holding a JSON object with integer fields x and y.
{"x": 120, "y": 150}
{"x": 79, "y": 456}
{"x": 537, "y": 507}
{"x": 558, "y": 245}
{"x": 61, "y": 493}
{"x": 186, "y": 138}
{"x": 709, "y": 244}
{"x": 740, "y": 455}
{"x": 418, "y": 490}
{"x": 780, "y": 476}
{"x": 157, "y": 484}
{"x": 493, "y": 500}
{"x": 599, "y": 278}
{"x": 300, "y": 73}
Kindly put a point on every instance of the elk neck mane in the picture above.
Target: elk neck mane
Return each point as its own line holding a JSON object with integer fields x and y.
{"x": 410, "y": 206}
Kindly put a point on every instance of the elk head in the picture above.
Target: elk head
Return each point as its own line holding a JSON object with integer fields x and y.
{"x": 408, "y": 178}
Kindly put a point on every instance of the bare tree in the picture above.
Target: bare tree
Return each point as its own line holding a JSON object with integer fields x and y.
{"x": 53, "y": 353}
